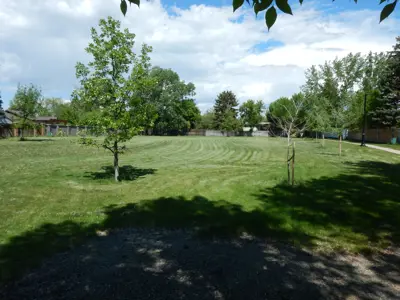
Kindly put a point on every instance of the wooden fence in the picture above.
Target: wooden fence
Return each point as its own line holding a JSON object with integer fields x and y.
{"x": 376, "y": 135}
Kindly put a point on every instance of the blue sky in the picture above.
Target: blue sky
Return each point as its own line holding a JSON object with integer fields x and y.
{"x": 40, "y": 42}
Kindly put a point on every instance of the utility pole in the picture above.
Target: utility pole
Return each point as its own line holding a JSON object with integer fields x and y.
{"x": 365, "y": 121}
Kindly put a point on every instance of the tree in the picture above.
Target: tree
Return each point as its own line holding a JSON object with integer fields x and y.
{"x": 331, "y": 91}
{"x": 114, "y": 82}
{"x": 289, "y": 114}
{"x": 174, "y": 101}
{"x": 206, "y": 120}
{"x": 250, "y": 113}
{"x": 1, "y": 103}
{"x": 270, "y": 10}
{"x": 26, "y": 104}
{"x": 1, "y": 108}
{"x": 230, "y": 122}
{"x": 387, "y": 112}
{"x": 225, "y": 111}
{"x": 63, "y": 111}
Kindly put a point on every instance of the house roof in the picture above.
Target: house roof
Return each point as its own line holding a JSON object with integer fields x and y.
{"x": 3, "y": 119}
{"x": 46, "y": 118}
{"x": 11, "y": 114}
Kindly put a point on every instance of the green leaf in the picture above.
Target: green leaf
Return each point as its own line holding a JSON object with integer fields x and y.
{"x": 301, "y": 2}
{"x": 387, "y": 10}
{"x": 236, "y": 4}
{"x": 261, "y": 6}
{"x": 382, "y": 1}
{"x": 270, "y": 17}
{"x": 137, "y": 2}
{"x": 124, "y": 7}
{"x": 284, "y": 6}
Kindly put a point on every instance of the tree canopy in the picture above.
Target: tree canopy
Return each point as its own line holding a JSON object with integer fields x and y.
{"x": 387, "y": 108}
{"x": 114, "y": 83}
{"x": 26, "y": 103}
{"x": 225, "y": 112}
{"x": 250, "y": 113}
{"x": 289, "y": 115}
{"x": 174, "y": 102}
{"x": 270, "y": 8}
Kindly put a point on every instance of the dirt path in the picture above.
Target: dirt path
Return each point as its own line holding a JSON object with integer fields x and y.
{"x": 163, "y": 264}
{"x": 384, "y": 149}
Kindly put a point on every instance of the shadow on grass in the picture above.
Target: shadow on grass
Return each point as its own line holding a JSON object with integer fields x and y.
{"x": 149, "y": 260}
{"x": 128, "y": 173}
{"x": 327, "y": 154}
{"x": 358, "y": 212}
{"x": 35, "y": 140}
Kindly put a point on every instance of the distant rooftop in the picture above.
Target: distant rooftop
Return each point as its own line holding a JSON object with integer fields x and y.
{"x": 46, "y": 118}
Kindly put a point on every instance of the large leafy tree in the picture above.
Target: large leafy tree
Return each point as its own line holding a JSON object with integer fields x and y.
{"x": 270, "y": 8}
{"x": 26, "y": 103}
{"x": 251, "y": 113}
{"x": 174, "y": 101}
{"x": 387, "y": 110}
{"x": 113, "y": 83}
{"x": 225, "y": 112}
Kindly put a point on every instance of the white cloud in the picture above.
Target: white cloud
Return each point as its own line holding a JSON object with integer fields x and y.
{"x": 40, "y": 42}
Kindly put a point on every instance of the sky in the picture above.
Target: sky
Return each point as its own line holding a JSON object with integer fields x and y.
{"x": 203, "y": 41}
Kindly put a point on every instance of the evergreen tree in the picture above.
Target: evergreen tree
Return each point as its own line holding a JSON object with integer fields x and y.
{"x": 1, "y": 103}
{"x": 387, "y": 112}
{"x": 225, "y": 111}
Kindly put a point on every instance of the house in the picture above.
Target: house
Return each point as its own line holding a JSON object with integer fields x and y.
{"x": 10, "y": 127}
{"x": 5, "y": 125}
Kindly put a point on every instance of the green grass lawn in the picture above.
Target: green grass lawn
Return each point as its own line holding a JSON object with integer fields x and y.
{"x": 55, "y": 193}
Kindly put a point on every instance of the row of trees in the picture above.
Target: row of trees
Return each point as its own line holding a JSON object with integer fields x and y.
{"x": 332, "y": 98}
{"x": 229, "y": 116}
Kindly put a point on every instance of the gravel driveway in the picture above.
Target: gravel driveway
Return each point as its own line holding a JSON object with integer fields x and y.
{"x": 164, "y": 264}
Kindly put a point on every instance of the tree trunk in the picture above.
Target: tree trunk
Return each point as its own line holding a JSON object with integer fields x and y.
{"x": 340, "y": 145}
{"x": 323, "y": 140}
{"x": 293, "y": 161}
{"x": 21, "y": 138}
{"x": 116, "y": 166}
{"x": 288, "y": 164}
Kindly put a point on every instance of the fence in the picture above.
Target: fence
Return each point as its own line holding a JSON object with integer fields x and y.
{"x": 66, "y": 130}
{"x": 376, "y": 135}
{"x": 54, "y": 130}
{"x": 46, "y": 130}
{"x": 207, "y": 132}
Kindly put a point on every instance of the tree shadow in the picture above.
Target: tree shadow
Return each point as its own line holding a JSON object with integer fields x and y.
{"x": 159, "y": 263}
{"x": 327, "y": 154}
{"x": 35, "y": 140}
{"x": 208, "y": 218}
{"x": 127, "y": 172}
{"x": 360, "y": 212}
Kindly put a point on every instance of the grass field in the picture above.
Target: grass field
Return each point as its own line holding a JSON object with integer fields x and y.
{"x": 55, "y": 193}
